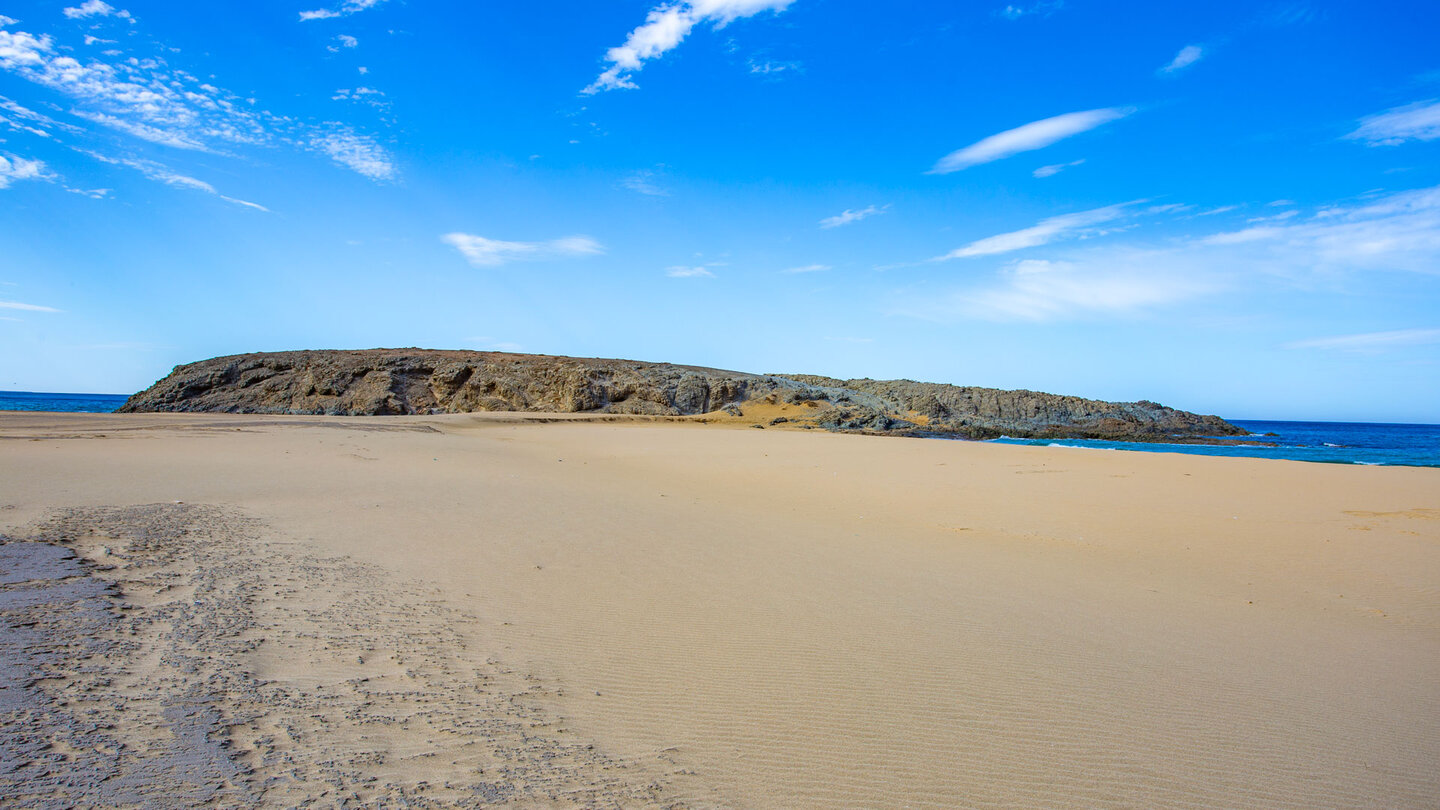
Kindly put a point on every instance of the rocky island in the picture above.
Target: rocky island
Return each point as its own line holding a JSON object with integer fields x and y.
{"x": 424, "y": 381}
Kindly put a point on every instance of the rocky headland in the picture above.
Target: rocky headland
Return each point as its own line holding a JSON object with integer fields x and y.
{"x": 424, "y": 381}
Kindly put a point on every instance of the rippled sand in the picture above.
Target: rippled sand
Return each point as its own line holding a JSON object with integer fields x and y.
{"x": 649, "y": 614}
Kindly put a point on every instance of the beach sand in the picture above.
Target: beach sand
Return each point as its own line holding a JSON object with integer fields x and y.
{"x": 490, "y": 609}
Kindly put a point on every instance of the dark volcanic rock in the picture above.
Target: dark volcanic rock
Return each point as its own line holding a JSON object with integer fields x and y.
{"x": 421, "y": 381}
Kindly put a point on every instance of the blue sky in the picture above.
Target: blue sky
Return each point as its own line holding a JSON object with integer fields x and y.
{"x": 1229, "y": 207}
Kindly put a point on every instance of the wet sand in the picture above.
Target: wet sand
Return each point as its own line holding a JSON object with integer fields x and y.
{"x": 492, "y": 610}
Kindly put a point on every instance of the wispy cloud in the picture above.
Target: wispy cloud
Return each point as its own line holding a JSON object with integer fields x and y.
{"x": 1223, "y": 209}
{"x": 1296, "y": 13}
{"x": 809, "y": 268}
{"x": 359, "y": 153}
{"x": 368, "y": 96}
{"x": 1399, "y": 231}
{"x": 848, "y": 216}
{"x": 1394, "y": 232}
{"x": 347, "y": 8}
{"x": 688, "y": 272}
{"x": 665, "y": 27}
{"x": 1014, "y": 12}
{"x": 1052, "y": 229}
{"x": 1045, "y": 290}
{"x": 23, "y": 119}
{"x": 483, "y": 252}
{"x": 770, "y": 67}
{"x": 1419, "y": 122}
{"x": 163, "y": 174}
{"x": 643, "y": 182}
{"x": 145, "y": 132}
{"x": 14, "y": 168}
{"x": 16, "y": 305}
{"x": 96, "y": 8}
{"x": 1055, "y": 168}
{"x": 1032, "y": 136}
{"x": 141, "y": 97}
{"x": 1188, "y": 55}
{"x": 490, "y": 344}
{"x": 343, "y": 41}
{"x": 1371, "y": 342}
{"x": 147, "y": 99}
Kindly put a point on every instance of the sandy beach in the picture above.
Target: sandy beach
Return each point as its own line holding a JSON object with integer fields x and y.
{"x": 522, "y": 610}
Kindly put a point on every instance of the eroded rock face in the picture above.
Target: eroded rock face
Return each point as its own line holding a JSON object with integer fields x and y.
{"x": 421, "y": 381}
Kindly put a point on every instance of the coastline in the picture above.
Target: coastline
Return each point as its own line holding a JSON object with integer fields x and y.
{"x": 801, "y": 618}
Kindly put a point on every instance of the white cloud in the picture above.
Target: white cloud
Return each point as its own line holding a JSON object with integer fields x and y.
{"x": 643, "y": 182}
{"x": 664, "y": 28}
{"x": 1034, "y": 135}
{"x": 14, "y": 168}
{"x": 96, "y": 8}
{"x": 1280, "y": 217}
{"x": 1043, "y": 290}
{"x": 1081, "y": 224}
{"x": 4, "y": 21}
{"x": 847, "y": 216}
{"x": 139, "y": 96}
{"x": 771, "y": 67}
{"x": 809, "y": 268}
{"x": 359, "y": 153}
{"x": 244, "y": 203}
{"x": 1398, "y": 232}
{"x": 483, "y": 252}
{"x": 165, "y": 137}
{"x": 343, "y": 41}
{"x": 1188, "y": 55}
{"x": 16, "y": 305}
{"x": 491, "y": 344}
{"x": 347, "y": 8}
{"x": 1372, "y": 341}
{"x": 1220, "y": 210}
{"x": 1419, "y": 121}
{"x": 163, "y": 174}
{"x": 21, "y": 118}
{"x": 1055, "y": 168}
{"x": 688, "y": 272}
{"x": 147, "y": 99}
{"x": 1013, "y": 12}
{"x": 368, "y": 96}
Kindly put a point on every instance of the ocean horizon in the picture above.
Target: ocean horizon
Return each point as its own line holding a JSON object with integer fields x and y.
{"x": 1363, "y": 443}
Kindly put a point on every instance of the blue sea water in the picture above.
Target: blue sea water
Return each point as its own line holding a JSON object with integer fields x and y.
{"x": 1327, "y": 442}
{"x": 69, "y": 403}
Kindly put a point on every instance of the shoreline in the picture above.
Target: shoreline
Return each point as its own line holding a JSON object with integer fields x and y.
{"x": 721, "y": 420}
{"x": 744, "y": 616}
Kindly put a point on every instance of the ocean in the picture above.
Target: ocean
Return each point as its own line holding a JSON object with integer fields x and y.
{"x": 68, "y": 403}
{"x": 1324, "y": 442}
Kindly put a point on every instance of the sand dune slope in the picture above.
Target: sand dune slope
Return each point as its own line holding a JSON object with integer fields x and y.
{"x": 701, "y": 616}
